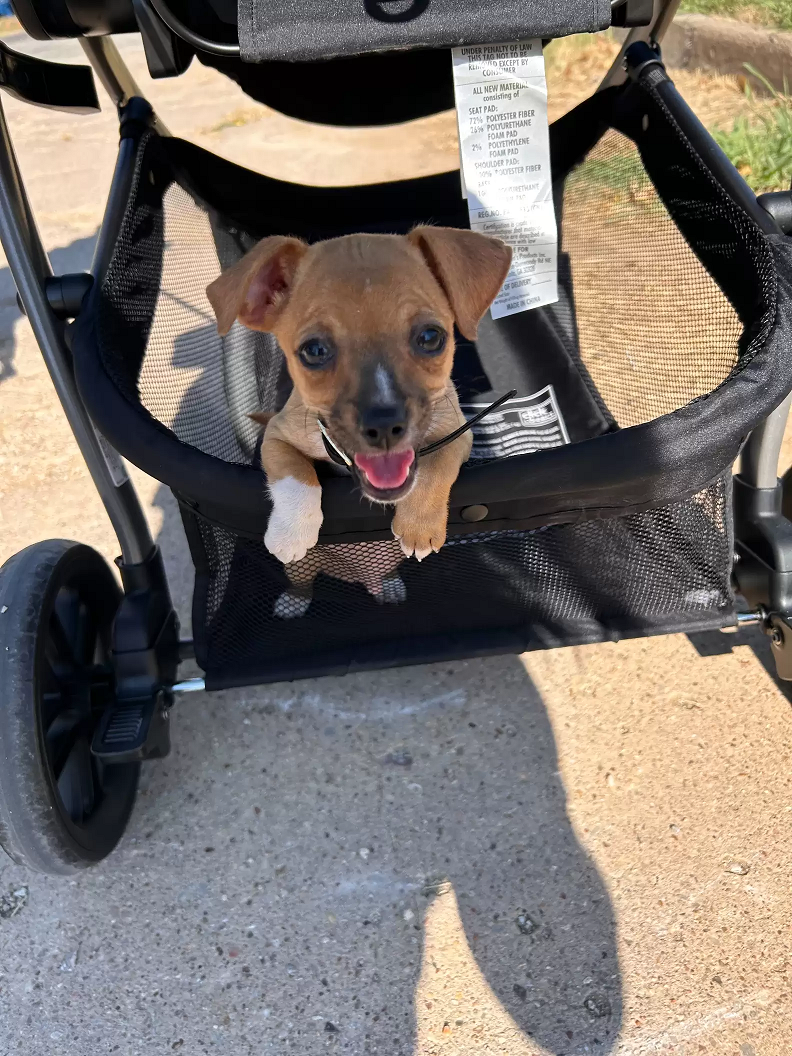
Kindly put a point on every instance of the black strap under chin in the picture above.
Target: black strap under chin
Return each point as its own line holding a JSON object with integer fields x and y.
{"x": 335, "y": 454}
{"x": 468, "y": 425}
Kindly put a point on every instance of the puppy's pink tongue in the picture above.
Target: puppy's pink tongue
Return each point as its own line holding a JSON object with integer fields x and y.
{"x": 386, "y": 471}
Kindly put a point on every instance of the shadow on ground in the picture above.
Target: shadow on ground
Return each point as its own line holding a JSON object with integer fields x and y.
{"x": 324, "y": 820}
{"x": 74, "y": 257}
{"x": 718, "y": 643}
{"x": 333, "y": 816}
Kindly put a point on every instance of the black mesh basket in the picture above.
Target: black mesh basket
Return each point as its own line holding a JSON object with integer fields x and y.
{"x": 668, "y": 344}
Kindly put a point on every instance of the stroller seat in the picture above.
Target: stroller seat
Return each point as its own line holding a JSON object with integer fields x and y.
{"x": 620, "y": 531}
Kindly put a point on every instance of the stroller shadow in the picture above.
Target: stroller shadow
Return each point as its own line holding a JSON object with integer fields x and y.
{"x": 74, "y": 257}
{"x": 716, "y": 643}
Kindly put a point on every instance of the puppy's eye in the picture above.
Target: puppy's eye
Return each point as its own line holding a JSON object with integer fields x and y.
{"x": 430, "y": 340}
{"x": 315, "y": 353}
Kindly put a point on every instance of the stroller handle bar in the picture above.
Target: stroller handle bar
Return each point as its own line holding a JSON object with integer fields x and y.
{"x": 48, "y": 19}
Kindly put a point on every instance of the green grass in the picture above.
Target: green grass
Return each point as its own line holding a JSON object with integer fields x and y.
{"x": 777, "y": 13}
{"x": 759, "y": 144}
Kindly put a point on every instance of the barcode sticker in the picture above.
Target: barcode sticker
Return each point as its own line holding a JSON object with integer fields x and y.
{"x": 501, "y": 97}
{"x": 519, "y": 427}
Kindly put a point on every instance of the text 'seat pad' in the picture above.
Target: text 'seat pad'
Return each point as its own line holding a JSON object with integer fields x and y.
{"x": 501, "y": 97}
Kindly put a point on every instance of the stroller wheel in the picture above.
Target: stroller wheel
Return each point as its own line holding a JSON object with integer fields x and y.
{"x": 61, "y": 809}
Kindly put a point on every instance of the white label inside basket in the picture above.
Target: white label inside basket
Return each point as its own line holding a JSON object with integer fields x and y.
{"x": 501, "y": 98}
{"x": 519, "y": 427}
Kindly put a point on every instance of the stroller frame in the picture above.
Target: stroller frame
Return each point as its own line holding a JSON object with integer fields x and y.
{"x": 144, "y": 649}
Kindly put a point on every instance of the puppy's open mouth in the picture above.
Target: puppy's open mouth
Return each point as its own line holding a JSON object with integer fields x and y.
{"x": 388, "y": 476}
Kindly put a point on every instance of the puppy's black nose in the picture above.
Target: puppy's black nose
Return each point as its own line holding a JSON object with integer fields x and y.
{"x": 384, "y": 424}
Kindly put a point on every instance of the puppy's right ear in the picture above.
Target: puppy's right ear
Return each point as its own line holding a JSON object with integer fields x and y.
{"x": 256, "y": 288}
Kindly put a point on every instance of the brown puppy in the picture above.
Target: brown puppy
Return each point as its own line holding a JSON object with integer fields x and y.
{"x": 366, "y": 323}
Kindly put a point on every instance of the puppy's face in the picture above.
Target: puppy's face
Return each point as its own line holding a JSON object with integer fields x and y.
{"x": 367, "y": 326}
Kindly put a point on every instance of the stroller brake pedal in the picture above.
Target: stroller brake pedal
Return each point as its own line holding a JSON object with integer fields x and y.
{"x": 133, "y": 731}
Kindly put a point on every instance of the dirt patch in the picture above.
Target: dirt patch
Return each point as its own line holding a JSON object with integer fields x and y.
{"x": 774, "y": 13}
{"x": 576, "y": 66}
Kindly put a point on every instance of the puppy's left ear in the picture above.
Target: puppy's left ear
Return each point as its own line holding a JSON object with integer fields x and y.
{"x": 256, "y": 288}
{"x": 470, "y": 267}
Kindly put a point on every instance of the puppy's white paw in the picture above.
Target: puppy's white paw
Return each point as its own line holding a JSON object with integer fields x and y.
{"x": 418, "y": 552}
{"x": 295, "y": 520}
{"x": 393, "y": 591}
{"x": 422, "y": 552}
{"x": 419, "y": 539}
{"x": 291, "y": 606}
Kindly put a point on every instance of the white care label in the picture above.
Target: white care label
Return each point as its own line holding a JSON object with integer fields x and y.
{"x": 501, "y": 97}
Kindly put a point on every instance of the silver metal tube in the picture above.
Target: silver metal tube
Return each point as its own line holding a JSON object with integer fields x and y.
{"x": 746, "y": 619}
{"x": 114, "y": 73}
{"x": 662, "y": 17}
{"x": 110, "y": 68}
{"x": 759, "y": 458}
{"x": 664, "y": 13}
{"x": 25, "y": 213}
{"x": 29, "y": 266}
{"x": 189, "y": 685}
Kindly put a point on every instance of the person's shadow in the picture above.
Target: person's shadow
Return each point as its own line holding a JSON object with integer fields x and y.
{"x": 422, "y": 877}
{"x": 418, "y": 874}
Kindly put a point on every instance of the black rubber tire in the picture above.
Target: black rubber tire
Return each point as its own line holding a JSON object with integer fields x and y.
{"x": 60, "y": 809}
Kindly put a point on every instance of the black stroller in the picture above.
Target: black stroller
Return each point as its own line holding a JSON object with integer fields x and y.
{"x": 629, "y": 523}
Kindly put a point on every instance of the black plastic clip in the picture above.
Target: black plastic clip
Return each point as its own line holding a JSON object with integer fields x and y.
{"x": 56, "y": 85}
{"x": 135, "y": 726}
{"x": 66, "y": 293}
{"x": 781, "y": 641}
{"x": 779, "y": 205}
{"x": 166, "y": 54}
{"x": 135, "y": 118}
{"x": 644, "y": 62}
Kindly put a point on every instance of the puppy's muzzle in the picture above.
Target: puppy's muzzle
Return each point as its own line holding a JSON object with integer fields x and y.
{"x": 358, "y": 465}
{"x": 384, "y": 426}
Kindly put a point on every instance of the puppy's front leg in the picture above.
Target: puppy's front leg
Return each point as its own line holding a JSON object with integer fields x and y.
{"x": 422, "y": 516}
{"x": 296, "y": 500}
